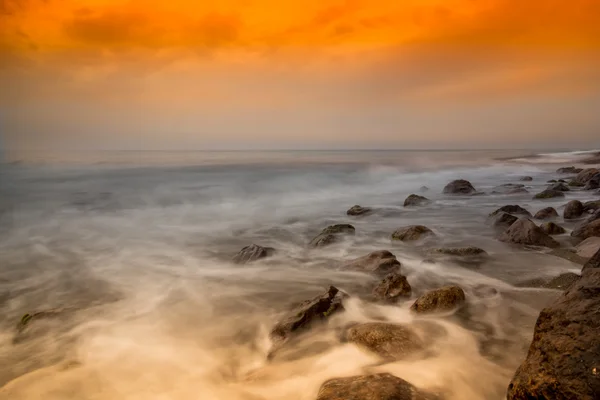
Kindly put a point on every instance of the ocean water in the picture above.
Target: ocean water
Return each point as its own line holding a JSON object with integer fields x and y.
{"x": 132, "y": 251}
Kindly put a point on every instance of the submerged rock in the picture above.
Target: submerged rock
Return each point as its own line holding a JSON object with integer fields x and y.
{"x": 526, "y": 178}
{"x": 389, "y": 341}
{"x": 381, "y": 262}
{"x": 569, "y": 255}
{"x": 587, "y": 229}
{"x": 510, "y": 188}
{"x": 392, "y": 288}
{"x": 552, "y": 229}
{"x": 459, "y": 186}
{"x": 569, "y": 170}
{"x": 252, "y": 253}
{"x": 370, "y": 387}
{"x": 460, "y": 251}
{"x": 416, "y": 200}
{"x": 561, "y": 282}
{"x": 574, "y": 183}
{"x": 359, "y": 210}
{"x": 504, "y": 220}
{"x": 511, "y": 209}
{"x": 546, "y": 213}
{"x": 563, "y": 361}
{"x": 332, "y": 234}
{"x": 411, "y": 233}
{"x": 548, "y": 194}
{"x": 423, "y": 189}
{"x": 525, "y": 232}
{"x": 591, "y": 206}
{"x": 560, "y": 187}
{"x": 440, "y": 300}
{"x": 573, "y": 210}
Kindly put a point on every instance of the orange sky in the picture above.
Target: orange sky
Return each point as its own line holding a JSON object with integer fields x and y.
{"x": 189, "y": 73}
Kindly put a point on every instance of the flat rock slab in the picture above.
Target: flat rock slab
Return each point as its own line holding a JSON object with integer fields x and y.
{"x": 588, "y": 247}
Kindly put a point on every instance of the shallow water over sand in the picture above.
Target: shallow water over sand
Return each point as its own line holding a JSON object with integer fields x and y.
{"x": 134, "y": 252}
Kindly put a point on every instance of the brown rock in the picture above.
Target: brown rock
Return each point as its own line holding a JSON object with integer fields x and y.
{"x": 440, "y": 300}
{"x": 460, "y": 251}
{"x": 252, "y": 253}
{"x": 504, "y": 220}
{"x": 560, "y": 187}
{"x": 588, "y": 247}
{"x": 380, "y": 263}
{"x": 459, "y": 186}
{"x": 511, "y": 209}
{"x": 569, "y": 170}
{"x": 591, "y": 206}
{"x": 392, "y": 288}
{"x": 548, "y": 194}
{"x": 525, "y": 232}
{"x": 546, "y": 213}
{"x": 416, "y": 200}
{"x": 584, "y": 176}
{"x": 332, "y": 234}
{"x": 370, "y": 387}
{"x": 389, "y": 341}
{"x": 411, "y": 233}
{"x": 551, "y": 228}
{"x": 573, "y": 210}
{"x": 587, "y": 230}
{"x": 359, "y": 210}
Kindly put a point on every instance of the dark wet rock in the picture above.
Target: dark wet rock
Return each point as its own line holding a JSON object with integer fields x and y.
{"x": 392, "y": 288}
{"x": 423, "y": 189}
{"x": 548, "y": 194}
{"x": 307, "y": 313}
{"x": 526, "y": 178}
{"x": 389, "y": 341}
{"x": 359, "y": 210}
{"x": 569, "y": 255}
{"x": 588, "y": 247}
{"x": 252, "y": 253}
{"x": 562, "y": 181}
{"x": 573, "y": 210}
{"x": 584, "y": 176}
{"x": 595, "y": 215}
{"x": 552, "y": 229}
{"x": 560, "y": 187}
{"x": 504, "y": 220}
{"x": 381, "y": 263}
{"x": 460, "y": 251}
{"x": 569, "y": 170}
{"x": 593, "y": 183}
{"x": 561, "y": 282}
{"x": 459, "y": 186}
{"x": 573, "y": 183}
{"x": 370, "y": 387}
{"x": 591, "y": 206}
{"x": 332, "y": 234}
{"x": 525, "y": 232}
{"x": 587, "y": 229}
{"x": 563, "y": 361}
{"x": 411, "y": 233}
{"x": 552, "y": 181}
{"x": 546, "y": 213}
{"x": 511, "y": 209}
{"x": 440, "y": 300}
{"x": 416, "y": 200}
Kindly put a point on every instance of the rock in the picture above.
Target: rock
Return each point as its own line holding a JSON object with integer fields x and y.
{"x": 416, "y": 200}
{"x": 252, "y": 253}
{"x": 546, "y": 213}
{"x": 389, "y": 341}
{"x": 510, "y": 188}
{"x": 552, "y": 181}
{"x": 332, "y": 234}
{"x": 564, "y": 357}
{"x": 526, "y": 178}
{"x": 562, "y": 181}
{"x": 595, "y": 215}
{"x": 504, "y": 220}
{"x": 411, "y": 233}
{"x": 573, "y": 210}
{"x": 573, "y": 183}
{"x": 592, "y": 263}
{"x": 440, "y": 300}
{"x": 423, "y": 189}
{"x": 584, "y": 176}
{"x": 551, "y": 228}
{"x": 370, "y": 387}
{"x": 559, "y": 187}
{"x": 359, "y": 210}
{"x": 587, "y": 230}
{"x": 569, "y": 255}
{"x": 591, "y": 206}
{"x": 459, "y": 186}
{"x": 307, "y": 313}
{"x": 460, "y": 251}
{"x": 525, "y": 232}
{"x": 380, "y": 263}
{"x": 511, "y": 209}
{"x": 593, "y": 183}
{"x": 548, "y": 194}
{"x": 569, "y": 170}
{"x": 562, "y": 282}
{"x": 588, "y": 247}
{"x": 392, "y": 288}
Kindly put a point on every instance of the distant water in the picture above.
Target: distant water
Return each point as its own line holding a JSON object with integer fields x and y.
{"x": 133, "y": 249}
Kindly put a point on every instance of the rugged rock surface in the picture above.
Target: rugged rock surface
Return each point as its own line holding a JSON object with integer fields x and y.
{"x": 548, "y": 194}
{"x": 588, "y": 247}
{"x": 370, "y": 387}
{"x": 593, "y": 183}
{"x": 411, "y": 233}
{"x": 459, "y": 186}
{"x": 392, "y": 288}
{"x": 569, "y": 170}
{"x": 525, "y": 232}
{"x": 561, "y": 282}
{"x": 551, "y": 228}
{"x": 573, "y": 210}
{"x": 332, "y": 234}
{"x": 307, "y": 313}
{"x": 546, "y": 213}
{"x": 526, "y": 178}
{"x": 584, "y": 176}
{"x": 511, "y": 209}
{"x": 574, "y": 183}
{"x": 380, "y": 263}
{"x": 252, "y": 253}
{"x": 359, "y": 210}
{"x": 504, "y": 220}
{"x": 440, "y": 300}
{"x": 563, "y": 361}
{"x": 591, "y": 206}
{"x": 587, "y": 229}
{"x": 416, "y": 200}
{"x": 389, "y": 341}
{"x": 561, "y": 187}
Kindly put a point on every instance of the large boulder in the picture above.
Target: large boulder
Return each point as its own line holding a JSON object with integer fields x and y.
{"x": 306, "y": 314}
{"x": 561, "y": 187}
{"x": 569, "y": 170}
{"x": 546, "y": 213}
{"x": 504, "y": 220}
{"x": 587, "y": 229}
{"x": 380, "y": 262}
{"x": 548, "y": 194}
{"x": 563, "y": 361}
{"x": 584, "y": 176}
{"x": 392, "y": 288}
{"x": 459, "y": 186}
{"x": 588, "y": 247}
{"x": 359, "y": 210}
{"x": 389, "y": 341}
{"x": 443, "y": 299}
{"x": 332, "y": 234}
{"x": 370, "y": 387}
{"x": 593, "y": 183}
{"x": 252, "y": 253}
{"x": 551, "y": 228}
{"x": 416, "y": 200}
{"x": 411, "y": 233}
{"x": 573, "y": 210}
{"x": 511, "y": 209}
{"x": 525, "y": 232}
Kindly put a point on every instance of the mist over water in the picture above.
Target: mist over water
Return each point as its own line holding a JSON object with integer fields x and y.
{"x": 132, "y": 254}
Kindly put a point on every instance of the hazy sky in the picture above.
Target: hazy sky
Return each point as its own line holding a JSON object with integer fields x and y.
{"x": 191, "y": 74}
